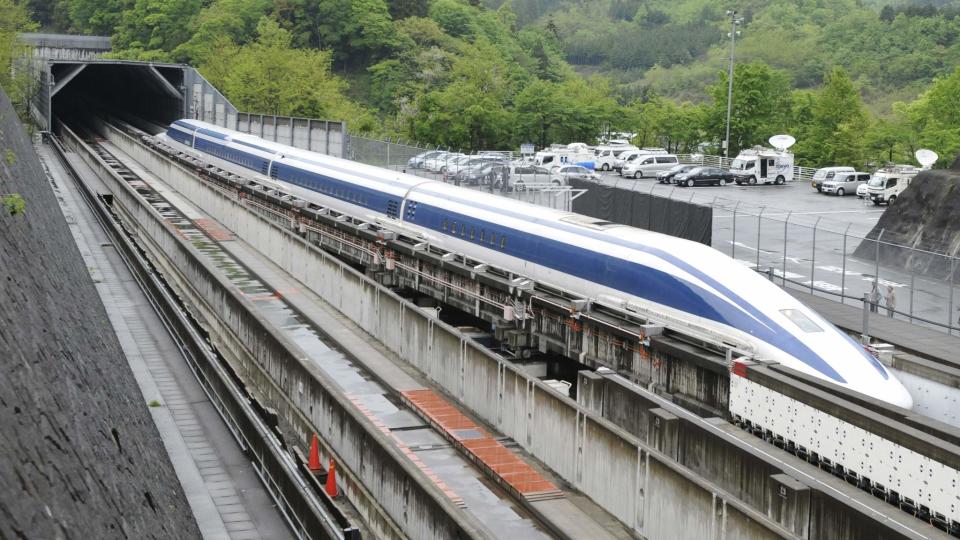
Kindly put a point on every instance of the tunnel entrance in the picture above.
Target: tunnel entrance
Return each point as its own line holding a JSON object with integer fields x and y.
{"x": 148, "y": 95}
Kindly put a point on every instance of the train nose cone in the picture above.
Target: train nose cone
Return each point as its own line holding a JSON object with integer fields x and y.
{"x": 897, "y": 394}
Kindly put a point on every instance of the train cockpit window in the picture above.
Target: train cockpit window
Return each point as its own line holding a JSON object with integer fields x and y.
{"x": 801, "y": 319}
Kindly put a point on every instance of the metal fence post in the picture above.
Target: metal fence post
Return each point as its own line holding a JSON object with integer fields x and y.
{"x": 865, "y": 336}
{"x": 388, "y": 152}
{"x": 733, "y": 232}
{"x": 785, "y": 223}
{"x": 953, "y": 270}
{"x": 876, "y": 274}
{"x": 759, "y": 221}
{"x": 913, "y": 275}
{"x": 843, "y": 268}
{"x": 813, "y": 254}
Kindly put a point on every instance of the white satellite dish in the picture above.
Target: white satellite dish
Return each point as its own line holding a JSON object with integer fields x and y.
{"x": 926, "y": 158}
{"x": 782, "y": 142}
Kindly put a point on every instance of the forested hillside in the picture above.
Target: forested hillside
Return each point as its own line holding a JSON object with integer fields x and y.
{"x": 856, "y": 81}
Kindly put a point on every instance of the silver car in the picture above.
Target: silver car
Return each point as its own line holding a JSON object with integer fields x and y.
{"x": 564, "y": 174}
{"x": 649, "y": 165}
{"x": 845, "y": 183}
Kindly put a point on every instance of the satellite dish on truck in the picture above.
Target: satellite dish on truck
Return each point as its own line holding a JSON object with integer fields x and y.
{"x": 782, "y": 142}
{"x": 926, "y": 158}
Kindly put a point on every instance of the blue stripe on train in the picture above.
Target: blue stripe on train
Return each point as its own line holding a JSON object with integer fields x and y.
{"x": 632, "y": 278}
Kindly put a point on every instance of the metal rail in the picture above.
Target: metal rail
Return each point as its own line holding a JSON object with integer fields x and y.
{"x": 309, "y": 514}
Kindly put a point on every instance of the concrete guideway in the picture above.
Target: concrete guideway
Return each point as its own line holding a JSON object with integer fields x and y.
{"x": 224, "y": 492}
{"x": 640, "y": 487}
{"x": 420, "y": 443}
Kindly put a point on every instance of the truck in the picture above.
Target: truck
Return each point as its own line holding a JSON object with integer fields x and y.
{"x": 889, "y": 182}
{"x": 761, "y": 165}
{"x": 569, "y": 154}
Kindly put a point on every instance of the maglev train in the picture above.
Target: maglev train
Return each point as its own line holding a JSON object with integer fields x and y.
{"x": 679, "y": 282}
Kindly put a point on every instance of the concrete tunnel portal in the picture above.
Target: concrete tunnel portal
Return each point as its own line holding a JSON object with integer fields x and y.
{"x": 153, "y": 93}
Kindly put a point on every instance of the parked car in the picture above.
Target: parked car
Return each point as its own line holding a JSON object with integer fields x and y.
{"x": 454, "y": 165}
{"x": 469, "y": 167}
{"x": 416, "y": 162}
{"x": 495, "y": 173}
{"x": 649, "y": 165}
{"x": 669, "y": 176}
{"x": 698, "y": 176}
{"x": 439, "y": 163}
{"x": 845, "y": 183}
{"x": 526, "y": 174}
{"x": 862, "y": 191}
{"x": 827, "y": 173}
{"x": 564, "y": 174}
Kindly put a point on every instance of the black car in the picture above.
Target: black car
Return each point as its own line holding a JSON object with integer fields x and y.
{"x": 705, "y": 176}
{"x": 668, "y": 176}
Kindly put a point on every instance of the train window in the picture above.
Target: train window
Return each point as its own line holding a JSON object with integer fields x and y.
{"x": 801, "y": 319}
{"x": 481, "y": 235}
{"x": 463, "y": 230}
{"x": 473, "y": 233}
{"x": 493, "y": 239}
{"x": 446, "y": 224}
{"x": 503, "y": 242}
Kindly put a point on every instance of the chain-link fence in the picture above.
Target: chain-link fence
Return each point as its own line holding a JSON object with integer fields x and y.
{"x": 484, "y": 171}
{"x": 843, "y": 261}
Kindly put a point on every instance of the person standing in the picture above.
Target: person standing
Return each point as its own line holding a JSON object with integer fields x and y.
{"x": 874, "y": 298}
{"x": 891, "y": 301}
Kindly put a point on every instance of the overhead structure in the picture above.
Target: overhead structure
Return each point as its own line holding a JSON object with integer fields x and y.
{"x": 73, "y": 78}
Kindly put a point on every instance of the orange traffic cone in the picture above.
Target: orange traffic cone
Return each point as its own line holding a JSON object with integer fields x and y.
{"x": 331, "y": 486}
{"x": 314, "y": 463}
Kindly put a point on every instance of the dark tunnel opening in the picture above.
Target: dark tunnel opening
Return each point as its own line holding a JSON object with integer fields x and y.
{"x": 145, "y": 95}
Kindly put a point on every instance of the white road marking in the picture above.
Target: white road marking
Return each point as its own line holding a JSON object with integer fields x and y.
{"x": 824, "y": 286}
{"x": 884, "y": 282}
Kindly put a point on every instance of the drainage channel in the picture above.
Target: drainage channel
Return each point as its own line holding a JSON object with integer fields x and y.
{"x": 453, "y": 473}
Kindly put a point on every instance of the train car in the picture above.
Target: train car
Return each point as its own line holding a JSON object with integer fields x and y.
{"x": 681, "y": 283}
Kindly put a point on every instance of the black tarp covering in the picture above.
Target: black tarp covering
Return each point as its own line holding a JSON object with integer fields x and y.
{"x": 645, "y": 211}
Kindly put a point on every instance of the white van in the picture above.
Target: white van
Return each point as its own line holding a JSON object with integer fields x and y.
{"x": 889, "y": 182}
{"x": 649, "y": 165}
{"x": 605, "y": 157}
{"x": 827, "y": 173}
{"x": 631, "y": 155}
{"x": 845, "y": 183}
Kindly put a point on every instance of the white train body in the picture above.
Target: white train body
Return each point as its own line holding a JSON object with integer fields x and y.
{"x": 682, "y": 283}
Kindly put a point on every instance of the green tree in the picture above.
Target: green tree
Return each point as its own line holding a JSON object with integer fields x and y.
{"x": 153, "y": 28}
{"x": 933, "y": 119}
{"x": 98, "y": 17}
{"x": 838, "y": 124}
{"x": 761, "y": 103}
{"x": 268, "y": 76}
{"x": 16, "y": 77}
{"x": 224, "y": 20}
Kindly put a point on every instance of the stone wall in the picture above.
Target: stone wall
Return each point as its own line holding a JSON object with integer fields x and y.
{"x": 80, "y": 456}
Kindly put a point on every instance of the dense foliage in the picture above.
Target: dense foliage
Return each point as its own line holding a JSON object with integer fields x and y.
{"x": 856, "y": 81}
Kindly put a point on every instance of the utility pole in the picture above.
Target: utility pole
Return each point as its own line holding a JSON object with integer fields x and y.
{"x": 734, "y": 23}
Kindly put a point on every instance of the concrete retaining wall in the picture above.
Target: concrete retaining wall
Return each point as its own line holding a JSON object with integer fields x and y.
{"x": 640, "y": 486}
{"x": 288, "y": 382}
